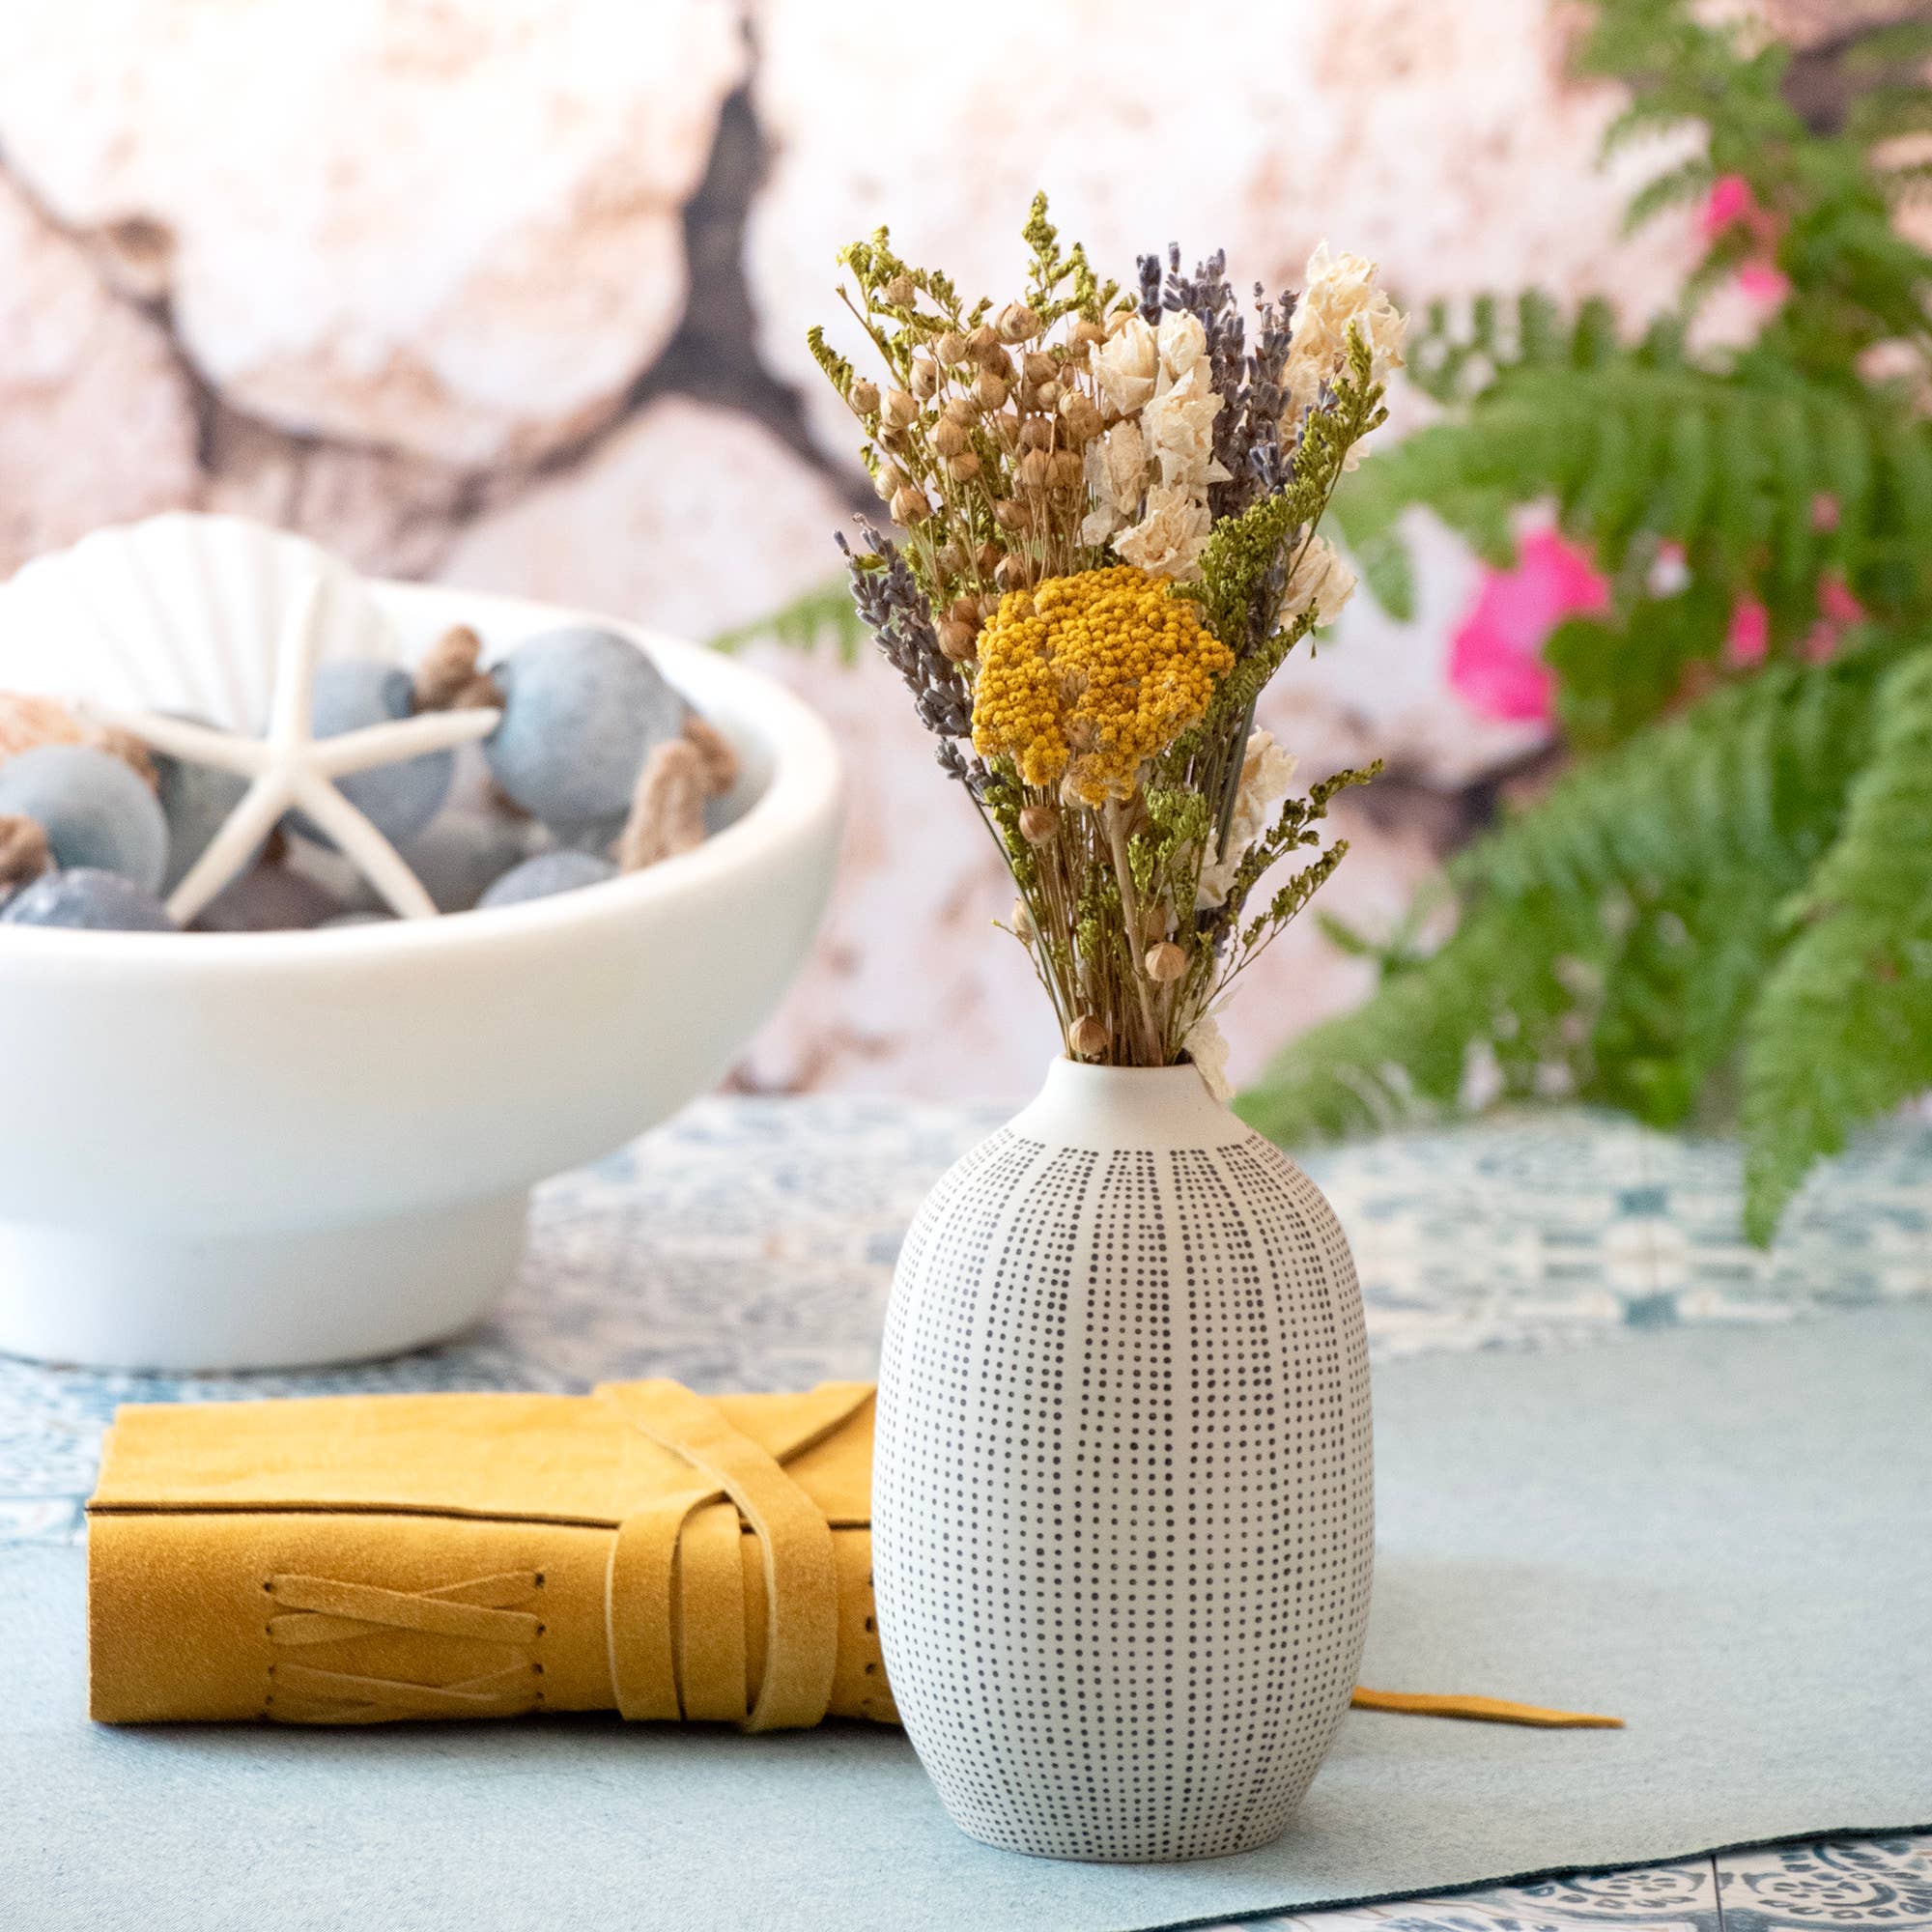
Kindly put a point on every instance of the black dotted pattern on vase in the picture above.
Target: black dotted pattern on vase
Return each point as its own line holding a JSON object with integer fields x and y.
{"x": 1123, "y": 1498}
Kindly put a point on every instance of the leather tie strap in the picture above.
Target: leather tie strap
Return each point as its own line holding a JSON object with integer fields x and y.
{"x": 674, "y": 1590}
{"x": 1484, "y": 1709}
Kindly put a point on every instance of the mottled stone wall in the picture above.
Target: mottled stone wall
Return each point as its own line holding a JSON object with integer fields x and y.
{"x": 514, "y": 294}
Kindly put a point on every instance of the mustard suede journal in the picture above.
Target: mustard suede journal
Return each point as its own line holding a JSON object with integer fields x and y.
{"x": 360, "y": 1558}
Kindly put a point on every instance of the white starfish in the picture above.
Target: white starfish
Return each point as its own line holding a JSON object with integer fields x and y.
{"x": 291, "y": 767}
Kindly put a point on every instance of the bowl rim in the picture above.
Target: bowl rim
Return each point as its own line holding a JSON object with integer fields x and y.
{"x": 805, "y": 781}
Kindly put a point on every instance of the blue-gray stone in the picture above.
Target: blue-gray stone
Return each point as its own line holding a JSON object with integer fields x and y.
{"x": 399, "y": 799}
{"x": 95, "y": 812}
{"x": 582, "y": 709}
{"x": 102, "y": 901}
{"x": 458, "y": 855}
{"x": 269, "y": 898}
{"x": 596, "y": 836}
{"x": 548, "y": 873}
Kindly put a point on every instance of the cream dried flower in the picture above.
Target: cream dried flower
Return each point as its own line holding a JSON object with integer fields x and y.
{"x": 1178, "y": 425}
{"x": 1116, "y": 477}
{"x": 1339, "y": 293}
{"x": 1169, "y": 539}
{"x": 1321, "y": 579}
{"x": 1126, "y": 364}
{"x": 1207, "y": 1046}
{"x": 1266, "y": 773}
{"x": 1181, "y": 341}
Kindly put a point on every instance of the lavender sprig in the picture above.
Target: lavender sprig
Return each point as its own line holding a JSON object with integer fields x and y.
{"x": 896, "y": 610}
{"x": 1149, "y": 268}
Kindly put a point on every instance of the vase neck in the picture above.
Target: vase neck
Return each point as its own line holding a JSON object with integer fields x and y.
{"x": 1108, "y": 1107}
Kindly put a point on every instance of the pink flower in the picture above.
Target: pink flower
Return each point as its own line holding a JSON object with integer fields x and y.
{"x": 1730, "y": 204}
{"x": 1729, "y": 201}
{"x": 1763, "y": 284}
{"x": 1837, "y": 611}
{"x": 1495, "y": 658}
{"x": 1750, "y": 634}
{"x": 1835, "y": 603}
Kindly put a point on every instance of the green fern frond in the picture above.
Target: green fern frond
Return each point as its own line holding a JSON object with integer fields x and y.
{"x": 1653, "y": 869}
{"x": 1842, "y": 1033}
{"x": 1677, "y": 187}
{"x": 821, "y": 616}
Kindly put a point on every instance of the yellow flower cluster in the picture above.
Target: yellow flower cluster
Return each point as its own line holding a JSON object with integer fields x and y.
{"x": 1084, "y": 678}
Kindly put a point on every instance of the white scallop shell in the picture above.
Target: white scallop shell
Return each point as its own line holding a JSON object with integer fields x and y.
{"x": 181, "y": 612}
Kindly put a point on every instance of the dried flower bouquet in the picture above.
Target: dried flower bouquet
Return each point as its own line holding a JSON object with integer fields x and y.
{"x": 1108, "y": 505}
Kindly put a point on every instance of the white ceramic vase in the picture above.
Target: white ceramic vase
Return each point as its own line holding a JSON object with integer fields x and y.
{"x": 1122, "y": 1502}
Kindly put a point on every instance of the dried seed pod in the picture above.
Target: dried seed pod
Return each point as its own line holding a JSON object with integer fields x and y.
{"x": 1034, "y": 470}
{"x": 925, "y": 378}
{"x": 1006, "y": 428}
{"x": 1010, "y": 515}
{"x": 952, "y": 348}
{"x": 1086, "y": 334}
{"x": 888, "y": 483}
{"x": 963, "y": 410}
{"x": 984, "y": 340}
{"x": 901, "y": 291}
{"x": 23, "y": 849}
{"x": 1039, "y": 823}
{"x": 964, "y": 610}
{"x": 667, "y": 806}
{"x": 721, "y": 761}
{"x": 902, "y": 412}
{"x": 959, "y": 641}
{"x": 28, "y": 721}
{"x": 1165, "y": 963}
{"x": 1045, "y": 394}
{"x": 864, "y": 397}
{"x": 909, "y": 507}
{"x": 1040, "y": 367}
{"x": 989, "y": 604}
{"x": 1017, "y": 323}
{"x": 990, "y": 389}
{"x": 951, "y": 557}
{"x": 948, "y": 437}
{"x": 1036, "y": 433}
{"x": 1064, "y": 471}
{"x": 987, "y": 558}
{"x": 1014, "y": 573}
{"x": 1090, "y": 1036}
{"x": 1079, "y": 418}
{"x": 122, "y": 744}
{"x": 963, "y": 468}
{"x": 480, "y": 694}
{"x": 1021, "y": 921}
{"x": 448, "y": 666}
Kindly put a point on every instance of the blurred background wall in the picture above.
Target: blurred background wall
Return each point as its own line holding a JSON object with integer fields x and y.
{"x": 513, "y": 293}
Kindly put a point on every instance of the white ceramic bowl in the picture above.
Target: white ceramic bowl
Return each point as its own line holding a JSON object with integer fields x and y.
{"x": 273, "y": 1148}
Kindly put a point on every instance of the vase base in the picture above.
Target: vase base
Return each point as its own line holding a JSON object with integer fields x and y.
{"x": 280, "y": 1298}
{"x": 1169, "y": 1847}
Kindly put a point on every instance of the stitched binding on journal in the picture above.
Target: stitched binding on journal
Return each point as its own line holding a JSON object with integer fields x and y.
{"x": 313, "y": 1612}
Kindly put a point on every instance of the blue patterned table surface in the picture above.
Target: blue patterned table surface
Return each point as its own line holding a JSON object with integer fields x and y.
{"x": 750, "y": 1244}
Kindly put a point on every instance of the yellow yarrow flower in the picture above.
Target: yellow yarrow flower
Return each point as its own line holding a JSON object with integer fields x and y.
{"x": 1083, "y": 679}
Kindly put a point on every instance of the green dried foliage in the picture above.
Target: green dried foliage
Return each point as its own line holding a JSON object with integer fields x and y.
{"x": 821, "y": 616}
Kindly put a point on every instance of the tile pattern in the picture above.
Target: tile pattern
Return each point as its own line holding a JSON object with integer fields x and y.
{"x": 751, "y": 1245}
